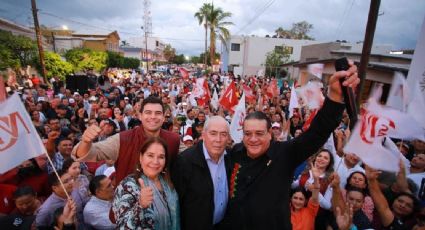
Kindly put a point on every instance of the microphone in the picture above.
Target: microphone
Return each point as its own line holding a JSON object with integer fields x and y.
{"x": 347, "y": 92}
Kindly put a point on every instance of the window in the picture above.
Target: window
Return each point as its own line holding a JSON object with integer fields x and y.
{"x": 235, "y": 47}
{"x": 278, "y": 49}
{"x": 157, "y": 43}
{"x": 289, "y": 49}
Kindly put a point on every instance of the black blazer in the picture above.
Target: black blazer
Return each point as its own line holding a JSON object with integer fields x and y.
{"x": 192, "y": 180}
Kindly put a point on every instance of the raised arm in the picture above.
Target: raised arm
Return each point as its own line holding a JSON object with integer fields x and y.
{"x": 327, "y": 118}
{"x": 381, "y": 203}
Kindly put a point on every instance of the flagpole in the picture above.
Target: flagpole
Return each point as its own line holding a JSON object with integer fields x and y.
{"x": 367, "y": 45}
{"x": 57, "y": 175}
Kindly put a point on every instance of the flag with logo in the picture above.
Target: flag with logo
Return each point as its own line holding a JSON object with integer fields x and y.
{"x": 316, "y": 69}
{"x": 398, "y": 97}
{"x": 272, "y": 90}
{"x": 184, "y": 73}
{"x": 369, "y": 139}
{"x": 214, "y": 100}
{"x": 237, "y": 121}
{"x": 229, "y": 99}
{"x": 249, "y": 95}
{"x": 19, "y": 141}
{"x": 293, "y": 103}
{"x": 312, "y": 95}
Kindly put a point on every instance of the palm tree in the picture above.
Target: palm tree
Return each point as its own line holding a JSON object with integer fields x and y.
{"x": 217, "y": 24}
{"x": 202, "y": 16}
{"x": 214, "y": 19}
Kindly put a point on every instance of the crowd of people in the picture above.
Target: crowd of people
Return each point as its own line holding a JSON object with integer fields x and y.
{"x": 138, "y": 151}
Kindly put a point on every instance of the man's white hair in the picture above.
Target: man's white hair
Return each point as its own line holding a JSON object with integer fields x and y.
{"x": 215, "y": 118}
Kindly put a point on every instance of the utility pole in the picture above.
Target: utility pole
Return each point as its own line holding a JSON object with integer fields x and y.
{"x": 206, "y": 37}
{"x": 38, "y": 35}
{"x": 53, "y": 42}
{"x": 147, "y": 27}
{"x": 367, "y": 45}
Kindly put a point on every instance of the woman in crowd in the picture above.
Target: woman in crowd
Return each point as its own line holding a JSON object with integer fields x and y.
{"x": 81, "y": 182}
{"x": 323, "y": 161}
{"x": 304, "y": 210}
{"x": 354, "y": 197}
{"x": 146, "y": 199}
{"x": 23, "y": 215}
{"x": 399, "y": 214}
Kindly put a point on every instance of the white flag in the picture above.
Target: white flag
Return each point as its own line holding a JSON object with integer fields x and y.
{"x": 416, "y": 106}
{"x": 214, "y": 100}
{"x": 398, "y": 124}
{"x": 236, "y": 131}
{"x": 312, "y": 94}
{"x": 316, "y": 69}
{"x": 19, "y": 140}
{"x": 370, "y": 141}
{"x": 293, "y": 103}
{"x": 398, "y": 96}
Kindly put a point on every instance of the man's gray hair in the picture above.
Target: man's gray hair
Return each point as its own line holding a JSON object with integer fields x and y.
{"x": 215, "y": 118}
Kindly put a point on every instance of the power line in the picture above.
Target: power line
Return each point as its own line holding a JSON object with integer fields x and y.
{"x": 344, "y": 18}
{"x": 259, "y": 13}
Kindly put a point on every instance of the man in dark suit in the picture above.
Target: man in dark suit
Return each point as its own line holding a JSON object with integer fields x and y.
{"x": 200, "y": 178}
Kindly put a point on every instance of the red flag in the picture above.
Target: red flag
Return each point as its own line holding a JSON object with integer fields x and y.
{"x": 184, "y": 73}
{"x": 229, "y": 99}
{"x": 272, "y": 89}
{"x": 249, "y": 95}
{"x": 310, "y": 119}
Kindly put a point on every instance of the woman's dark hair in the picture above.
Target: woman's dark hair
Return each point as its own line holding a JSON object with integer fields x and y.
{"x": 23, "y": 191}
{"x": 416, "y": 203}
{"x": 306, "y": 194}
{"x": 329, "y": 168}
{"x": 152, "y": 140}
{"x": 351, "y": 175}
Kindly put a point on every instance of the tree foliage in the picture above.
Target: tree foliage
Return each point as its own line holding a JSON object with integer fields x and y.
{"x": 116, "y": 60}
{"x": 217, "y": 24}
{"x": 274, "y": 60}
{"x": 178, "y": 59}
{"x": 130, "y": 63}
{"x": 299, "y": 30}
{"x": 169, "y": 52}
{"x": 55, "y": 66}
{"x": 16, "y": 51}
{"x": 85, "y": 59}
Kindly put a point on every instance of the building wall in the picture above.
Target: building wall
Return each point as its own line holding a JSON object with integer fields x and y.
{"x": 95, "y": 45}
{"x": 16, "y": 29}
{"x": 253, "y": 51}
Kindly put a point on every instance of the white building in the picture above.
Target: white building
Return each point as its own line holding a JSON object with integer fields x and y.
{"x": 247, "y": 55}
{"x": 154, "y": 43}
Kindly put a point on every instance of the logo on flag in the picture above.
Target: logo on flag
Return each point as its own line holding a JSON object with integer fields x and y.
{"x": 229, "y": 98}
{"x": 373, "y": 126}
{"x": 19, "y": 140}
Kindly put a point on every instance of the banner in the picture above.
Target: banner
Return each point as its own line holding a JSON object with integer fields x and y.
{"x": 236, "y": 126}
{"x": 19, "y": 141}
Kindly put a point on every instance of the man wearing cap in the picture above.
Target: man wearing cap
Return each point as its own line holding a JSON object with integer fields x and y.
{"x": 200, "y": 177}
{"x": 277, "y": 132}
{"x": 188, "y": 141}
{"x": 124, "y": 147}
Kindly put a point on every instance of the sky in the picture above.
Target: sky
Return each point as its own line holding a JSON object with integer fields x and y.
{"x": 173, "y": 21}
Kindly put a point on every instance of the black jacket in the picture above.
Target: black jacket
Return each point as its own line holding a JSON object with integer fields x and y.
{"x": 192, "y": 180}
{"x": 261, "y": 197}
